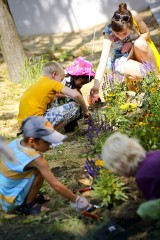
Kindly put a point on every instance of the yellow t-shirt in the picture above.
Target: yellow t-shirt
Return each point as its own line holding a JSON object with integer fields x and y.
{"x": 36, "y": 98}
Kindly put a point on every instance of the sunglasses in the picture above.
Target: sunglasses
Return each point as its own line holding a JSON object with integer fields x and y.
{"x": 118, "y": 16}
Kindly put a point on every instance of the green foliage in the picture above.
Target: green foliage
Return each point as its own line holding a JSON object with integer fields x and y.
{"x": 137, "y": 116}
{"x": 98, "y": 143}
{"x": 32, "y": 69}
{"x": 145, "y": 123}
{"x": 150, "y": 210}
{"x": 109, "y": 189}
{"x": 65, "y": 55}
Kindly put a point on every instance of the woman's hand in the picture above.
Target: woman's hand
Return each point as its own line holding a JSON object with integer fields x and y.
{"x": 94, "y": 92}
{"x": 92, "y": 100}
{"x": 126, "y": 47}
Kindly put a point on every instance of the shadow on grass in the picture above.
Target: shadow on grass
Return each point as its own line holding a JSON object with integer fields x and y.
{"x": 6, "y": 116}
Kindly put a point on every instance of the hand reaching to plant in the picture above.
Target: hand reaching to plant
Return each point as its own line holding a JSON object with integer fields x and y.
{"x": 93, "y": 99}
{"x": 87, "y": 115}
{"x": 80, "y": 204}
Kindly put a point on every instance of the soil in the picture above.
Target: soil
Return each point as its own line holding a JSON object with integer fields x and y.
{"x": 67, "y": 161}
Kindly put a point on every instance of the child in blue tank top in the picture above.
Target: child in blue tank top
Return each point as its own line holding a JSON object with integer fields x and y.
{"x": 20, "y": 181}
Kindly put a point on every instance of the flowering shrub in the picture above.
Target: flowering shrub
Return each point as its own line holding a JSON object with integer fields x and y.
{"x": 138, "y": 117}
{"x": 106, "y": 186}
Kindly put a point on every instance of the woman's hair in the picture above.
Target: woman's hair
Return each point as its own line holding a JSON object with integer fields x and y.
{"x": 119, "y": 148}
{"x": 51, "y": 67}
{"x": 122, "y": 19}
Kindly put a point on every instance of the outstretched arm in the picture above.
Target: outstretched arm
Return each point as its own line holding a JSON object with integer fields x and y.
{"x": 102, "y": 65}
{"x": 142, "y": 27}
{"x": 73, "y": 93}
{"x": 42, "y": 165}
{"x": 78, "y": 203}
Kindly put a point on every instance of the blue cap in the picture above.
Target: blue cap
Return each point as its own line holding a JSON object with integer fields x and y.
{"x": 39, "y": 127}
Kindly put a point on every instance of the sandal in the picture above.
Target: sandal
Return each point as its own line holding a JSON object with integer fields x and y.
{"x": 31, "y": 208}
{"x": 42, "y": 199}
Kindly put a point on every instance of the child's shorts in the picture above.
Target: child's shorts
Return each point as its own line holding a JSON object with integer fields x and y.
{"x": 64, "y": 113}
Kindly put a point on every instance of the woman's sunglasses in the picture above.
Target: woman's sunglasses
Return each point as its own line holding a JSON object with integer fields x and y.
{"x": 118, "y": 16}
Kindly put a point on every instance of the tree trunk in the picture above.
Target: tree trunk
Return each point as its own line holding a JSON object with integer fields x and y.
{"x": 10, "y": 43}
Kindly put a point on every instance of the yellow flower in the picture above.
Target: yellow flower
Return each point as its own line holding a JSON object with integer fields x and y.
{"x": 134, "y": 82}
{"x": 142, "y": 123}
{"x": 111, "y": 94}
{"x": 148, "y": 115}
{"x": 128, "y": 106}
{"x": 99, "y": 163}
{"x": 152, "y": 90}
{"x": 137, "y": 89}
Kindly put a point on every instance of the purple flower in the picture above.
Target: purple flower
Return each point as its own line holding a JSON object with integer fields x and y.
{"x": 110, "y": 80}
{"x": 146, "y": 68}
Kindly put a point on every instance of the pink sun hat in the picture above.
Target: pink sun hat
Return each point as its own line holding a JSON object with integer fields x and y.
{"x": 81, "y": 67}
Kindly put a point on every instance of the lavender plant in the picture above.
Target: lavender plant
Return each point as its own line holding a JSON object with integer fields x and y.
{"x": 92, "y": 168}
{"x": 98, "y": 130}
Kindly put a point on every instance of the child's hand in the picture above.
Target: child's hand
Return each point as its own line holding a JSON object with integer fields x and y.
{"x": 80, "y": 204}
{"x": 87, "y": 115}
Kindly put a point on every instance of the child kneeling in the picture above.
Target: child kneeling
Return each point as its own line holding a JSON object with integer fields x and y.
{"x": 21, "y": 181}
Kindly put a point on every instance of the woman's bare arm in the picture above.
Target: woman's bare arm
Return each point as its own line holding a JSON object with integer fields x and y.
{"x": 144, "y": 31}
{"x": 102, "y": 65}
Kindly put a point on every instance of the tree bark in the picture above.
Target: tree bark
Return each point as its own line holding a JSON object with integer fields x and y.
{"x": 10, "y": 43}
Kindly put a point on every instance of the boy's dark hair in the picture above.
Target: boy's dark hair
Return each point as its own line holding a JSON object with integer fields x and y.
{"x": 25, "y": 139}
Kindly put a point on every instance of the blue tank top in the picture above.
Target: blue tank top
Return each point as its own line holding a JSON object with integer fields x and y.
{"x": 13, "y": 177}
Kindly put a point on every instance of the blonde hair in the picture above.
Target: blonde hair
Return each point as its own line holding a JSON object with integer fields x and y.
{"x": 51, "y": 67}
{"x": 119, "y": 148}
